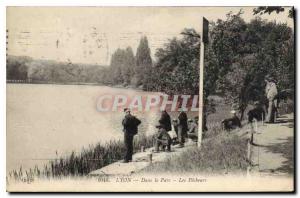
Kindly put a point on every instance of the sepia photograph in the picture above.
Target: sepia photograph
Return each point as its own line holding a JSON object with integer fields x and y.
{"x": 150, "y": 99}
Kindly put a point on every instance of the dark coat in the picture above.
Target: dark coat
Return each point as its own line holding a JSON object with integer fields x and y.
{"x": 182, "y": 124}
{"x": 130, "y": 124}
{"x": 231, "y": 123}
{"x": 165, "y": 121}
{"x": 258, "y": 113}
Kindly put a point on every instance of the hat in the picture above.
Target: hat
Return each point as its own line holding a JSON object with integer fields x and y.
{"x": 270, "y": 78}
{"x": 126, "y": 109}
{"x": 159, "y": 126}
{"x": 233, "y": 111}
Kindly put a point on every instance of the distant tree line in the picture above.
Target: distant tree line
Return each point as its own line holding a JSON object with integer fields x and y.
{"x": 48, "y": 71}
{"x": 127, "y": 69}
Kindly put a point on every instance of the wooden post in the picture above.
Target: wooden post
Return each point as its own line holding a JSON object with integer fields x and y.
{"x": 249, "y": 141}
{"x": 256, "y": 128}
{"x": 200, "y": 122}
{"x": 249, "y": 155}
{"x": 204, "y": 40}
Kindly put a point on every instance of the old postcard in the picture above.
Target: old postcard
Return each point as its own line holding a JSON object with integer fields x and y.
{"x": 150, "y": 99}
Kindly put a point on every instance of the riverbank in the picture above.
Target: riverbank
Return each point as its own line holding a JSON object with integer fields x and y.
{"x": 73, "y": 83}
{"x": 80, "y": 164}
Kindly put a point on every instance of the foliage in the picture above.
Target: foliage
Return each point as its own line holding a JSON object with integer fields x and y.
{"x": 177, "y": 65}
{"x": 46, "y": 71}
{"x": 122, "y": 66}
{"x": 143, "y": 63}
{"x": 16, "y": 68}
{"x": 269, "y": 9}
{"x": 242, "y": 54}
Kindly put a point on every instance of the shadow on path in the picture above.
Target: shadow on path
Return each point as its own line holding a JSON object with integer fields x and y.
{"x": 286, "y": 149}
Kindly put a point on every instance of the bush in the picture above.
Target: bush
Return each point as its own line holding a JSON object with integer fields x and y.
{"x": 219, "y": 154}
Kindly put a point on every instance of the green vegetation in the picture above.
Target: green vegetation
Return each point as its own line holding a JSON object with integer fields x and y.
{"x": 220, "y": 153}
{"x": 269, "y": 9}
{"x": 242, "y": 54}
{"x": 89, "y": 159}
{"x": 48, "y": 71}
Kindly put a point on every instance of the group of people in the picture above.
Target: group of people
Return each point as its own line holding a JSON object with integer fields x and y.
{"x": 188, "y": 128}
{"x": 183, "y": 127}
{"x": 258, "y": 112}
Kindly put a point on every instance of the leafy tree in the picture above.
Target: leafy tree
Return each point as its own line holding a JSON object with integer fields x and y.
{"x": 245, "y": 53}
{"x": 143, "y": 63}
{"x": 269, "y": 9}
{"x": 129, "y": 65}
{"x": 177, "y": 66}
{"x": 116, "y": 65}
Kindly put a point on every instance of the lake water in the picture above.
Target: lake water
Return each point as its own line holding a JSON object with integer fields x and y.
{"x": 47, "y": 121}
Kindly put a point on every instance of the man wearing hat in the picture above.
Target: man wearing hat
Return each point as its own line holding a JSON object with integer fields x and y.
{"x": 182, "y": 128}
{"x": 271, "y": 93}
{"x": 162, "y": 138}
{"x": 130, "y": 128}
{"x": 165, "y": 120}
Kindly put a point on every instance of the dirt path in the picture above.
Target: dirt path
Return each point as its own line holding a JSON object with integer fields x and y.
{"x": 140, "y": 161}
{"x": 274, "y": 150}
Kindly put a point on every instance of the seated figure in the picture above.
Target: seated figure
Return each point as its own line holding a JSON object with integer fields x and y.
{"x": 162, "y": 139}
{"x": 193, "y": 129}
{"x": 231, "y": 123}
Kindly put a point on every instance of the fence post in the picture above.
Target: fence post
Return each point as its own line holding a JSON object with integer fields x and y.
{"x": 248, "y": 157}
{"x": 249, "y": 147}
{"x": 256, "y": 128}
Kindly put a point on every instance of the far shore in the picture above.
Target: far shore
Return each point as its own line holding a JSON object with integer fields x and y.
{"x": 73, "y": 83}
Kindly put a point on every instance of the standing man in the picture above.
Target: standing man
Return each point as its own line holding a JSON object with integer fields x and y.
{"x": 165, "y": 121}
{"x": 271, "y": 93}
{"x": 182, "y": 128}
{"x": 130, "y": 128}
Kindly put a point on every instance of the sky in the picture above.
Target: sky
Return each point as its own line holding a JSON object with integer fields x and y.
{"x": 90, "y": 35}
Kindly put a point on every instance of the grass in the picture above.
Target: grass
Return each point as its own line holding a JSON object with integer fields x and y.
{"x": 222, "y": 153}
{"x": 81, "y": 164}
